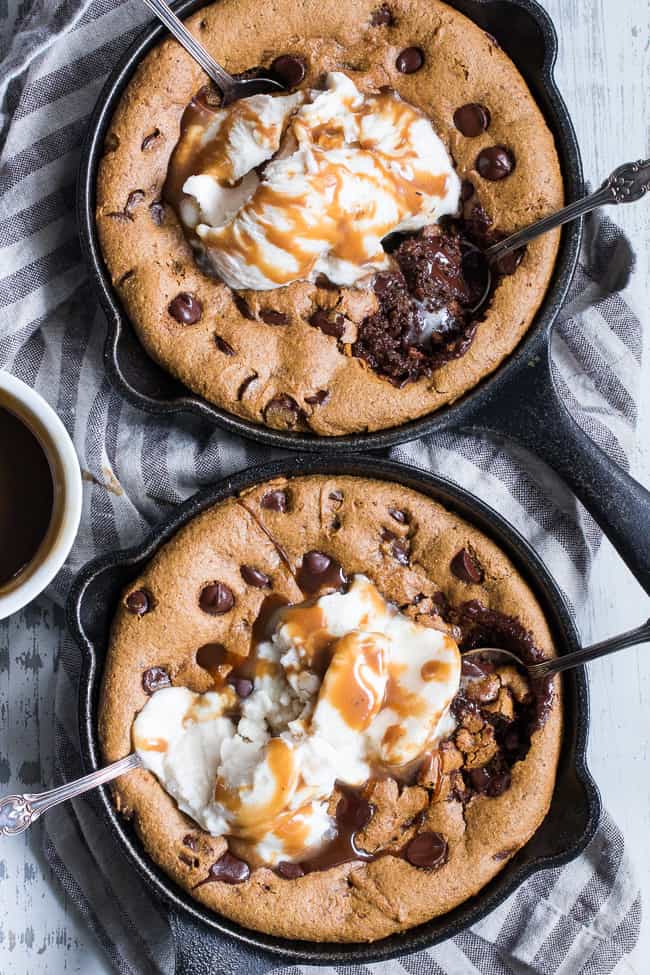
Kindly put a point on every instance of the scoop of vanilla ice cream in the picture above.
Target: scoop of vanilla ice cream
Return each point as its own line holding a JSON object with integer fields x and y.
{"x": 384, "y": 698}
{"x": 350, "y": 169}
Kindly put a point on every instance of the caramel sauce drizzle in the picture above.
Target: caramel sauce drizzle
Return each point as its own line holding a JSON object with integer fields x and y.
{"x": 303, "y": 225}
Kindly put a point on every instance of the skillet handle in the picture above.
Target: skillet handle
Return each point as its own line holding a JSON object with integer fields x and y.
{"x": 526, "y": 408}
{"x": 200, "y": 950}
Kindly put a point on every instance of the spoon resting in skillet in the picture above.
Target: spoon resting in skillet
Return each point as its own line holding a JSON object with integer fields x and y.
{"x": 18, "y": 812}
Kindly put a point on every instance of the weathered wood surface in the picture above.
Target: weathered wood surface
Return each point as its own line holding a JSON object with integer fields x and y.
{"x": 604, "y": 73}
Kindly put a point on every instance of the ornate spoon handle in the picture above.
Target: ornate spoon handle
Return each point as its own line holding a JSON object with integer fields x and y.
{"x": 17, "y": 813}
{"x": 627, "y": 184}
{"x": 630, "y": 639}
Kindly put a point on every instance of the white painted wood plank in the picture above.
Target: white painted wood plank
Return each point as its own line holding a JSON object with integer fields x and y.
{"x": 604, "y": 73}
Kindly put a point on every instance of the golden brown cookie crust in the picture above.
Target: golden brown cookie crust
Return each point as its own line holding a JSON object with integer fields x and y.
{"x": 151, "y": 262}
{"x": 353, "y": 902}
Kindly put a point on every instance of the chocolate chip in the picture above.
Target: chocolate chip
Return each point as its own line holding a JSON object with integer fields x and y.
{"x": 243, "y": 307}
{"x": 216, "y": 599}
{"x": 411, "y": 59}
{"x": 290, "y": 871}
{"x": 322, "y": 281}
{"x": 229, "y": 870}
{"x": 495, "y": 163}
{"x": 467, "y": 190}
{"x": 400, "y": 516}
{"x": 149, "y": 139}
{"x": 400, "y": 551}
{"x": 243, "y": 386}
{"x": 154, "y": 678}
{"x": 319, "y": 571}
{"x": 289, "y": 69}
{"x": 318, "y": 398}
{"x": 336, "y": 496}
{"x": 255, "y": 577}
{"x": 466, "y": 568}
{"x": 283, "y": 410}
{"x": 330, "y": 326}
{"x": 472, "y": 119}
{"x": 157, "y": 211}
{"x": 509, "y": 263}
{"x": 132, "y": 200}
{"x": 111, "y": 142}
{"x": 427, "y": 849}
{"x": 190, "y": 842}
{"x": 274, "y": 501}
{"x": 382, "y": 17}
{"x": 272, "y": 317}
{"x": 503, "y": 854}
{"x": 223, "y": 346}
{"x": 185, "y": 308}
{"x": 242, "y": 685}
{"x": 137, "y": 602}
{"x": 188, "y": 860}
{"x": 489, "y": 782}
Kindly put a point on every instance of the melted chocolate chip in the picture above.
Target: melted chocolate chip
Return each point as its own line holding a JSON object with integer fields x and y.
{"x": 255, "y": 577}
{"x": 330, "y": 326}
{"x": 111, "y": 143}
{"x": 400, "y": 550}
{"x": 336, "y": 496}
{"x": 216, "y": 599}
{"x": 465, "y": 567}
{"x": 228, "y": 869}
{"x": 157, "y": 211}
{"x": 288, "y": 870}
{"x": 427, "y": 849}
{"x": 318, "y": 398}
{"x": 353, "y": 811}
{"x": 322, "y": 281}
{"x": 137, "y": 602}
{"x": 188, "y": 860}
{"x": 289, "y": 69}
{"x": 467, "y": 190}
{"x": 223, "y": 346}
{"x": 274, "y": 501}
{"x": 243, "y": 686}
{"x": 495, "y": 163}
{"x": 185, "y": 308}
{"x": 272, "y": 317}
{"x": 132, "y": 201}
{"x": 154, "y": 678}
{"x": 149, "y": 139}
{"x": 490, "y": 780}
{"x": 409, "y": 60}
{"x": 243, "y": 307}
{"x": 382, "y": 17}
{"x": 320, "y": 571}
{"x": 472, "y": 119}
{"x": 190, "y": 842}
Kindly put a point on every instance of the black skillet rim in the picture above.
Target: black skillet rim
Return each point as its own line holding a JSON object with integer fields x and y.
{"x": 455, "y": 414}
{"x": 562, "y": 624}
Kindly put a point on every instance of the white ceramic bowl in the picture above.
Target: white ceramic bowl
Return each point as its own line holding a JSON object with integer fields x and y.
{"x": 41, "y": 419}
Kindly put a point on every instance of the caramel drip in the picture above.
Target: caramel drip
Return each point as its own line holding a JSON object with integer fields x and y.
{"x": 436, "y": 670}
{"x": 405, "y": 703}
{"x": 353, "y": 683}
{"x": 151, "y": 744}
{"x": 306, "y": 627}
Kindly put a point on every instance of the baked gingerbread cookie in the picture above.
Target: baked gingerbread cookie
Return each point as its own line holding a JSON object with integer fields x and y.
{"x": 450, "y": 795}
{"x": 296, "y": 350}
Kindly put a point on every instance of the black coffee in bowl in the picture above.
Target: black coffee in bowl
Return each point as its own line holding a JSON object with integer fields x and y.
{"x": 26, "y": 495}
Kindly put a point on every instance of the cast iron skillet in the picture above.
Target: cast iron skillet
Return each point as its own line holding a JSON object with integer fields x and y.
{"x": 519, "y": 400}
{"x": 575, "y": 807}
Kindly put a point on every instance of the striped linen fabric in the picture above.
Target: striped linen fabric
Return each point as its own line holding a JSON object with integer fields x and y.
{"x": 583, "y": 918}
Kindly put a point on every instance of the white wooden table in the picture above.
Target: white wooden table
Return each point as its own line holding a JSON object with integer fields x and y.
{"x": 604, "y": 74}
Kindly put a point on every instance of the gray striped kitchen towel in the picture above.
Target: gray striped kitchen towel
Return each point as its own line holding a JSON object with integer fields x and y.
{"x": 583, "y": 918}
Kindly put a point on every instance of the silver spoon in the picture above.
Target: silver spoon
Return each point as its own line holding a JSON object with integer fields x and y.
{"x": 557, "y": 664}
{"x": 627, "y": 184}
{"x": 231, "y": 88}
{"x": 18, "y": 812}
